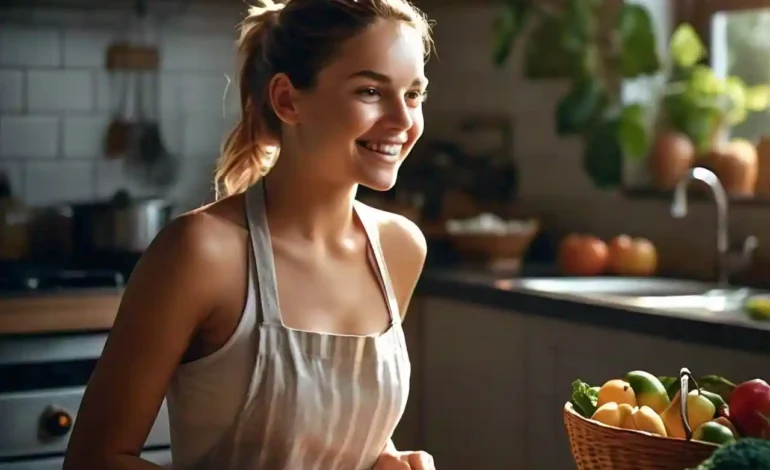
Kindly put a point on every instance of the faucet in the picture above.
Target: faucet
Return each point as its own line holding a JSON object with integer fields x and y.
{"x": 727, "y": 261}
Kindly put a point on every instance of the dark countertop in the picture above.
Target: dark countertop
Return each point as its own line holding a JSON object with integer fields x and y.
{"x": 730, "y": 330}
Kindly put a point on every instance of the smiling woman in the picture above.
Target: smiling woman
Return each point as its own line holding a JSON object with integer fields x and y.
{"x": 271, "y": 319}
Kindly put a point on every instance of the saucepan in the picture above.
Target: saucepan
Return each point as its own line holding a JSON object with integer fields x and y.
{"x": 122, "y": 224}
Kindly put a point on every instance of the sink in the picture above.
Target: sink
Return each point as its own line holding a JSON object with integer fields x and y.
{"x": 653, "y": 293}
{"x": 616, "y": 286}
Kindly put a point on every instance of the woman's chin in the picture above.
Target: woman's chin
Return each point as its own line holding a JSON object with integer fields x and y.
{"x": 380, "y": 180}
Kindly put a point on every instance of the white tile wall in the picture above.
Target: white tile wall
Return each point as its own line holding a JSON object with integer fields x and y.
{"x": 56, "y": 100}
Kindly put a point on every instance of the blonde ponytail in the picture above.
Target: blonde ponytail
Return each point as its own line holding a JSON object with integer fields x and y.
{"x": 246, "y": 156}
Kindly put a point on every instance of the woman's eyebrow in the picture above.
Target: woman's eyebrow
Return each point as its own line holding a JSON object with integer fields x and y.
{"x": 382, "y": 78}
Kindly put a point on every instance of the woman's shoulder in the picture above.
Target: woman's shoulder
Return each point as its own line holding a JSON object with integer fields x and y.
{"x": 404, "y": 248}
{"x": 202, "y": 239}
{"x": 396, "y": 230}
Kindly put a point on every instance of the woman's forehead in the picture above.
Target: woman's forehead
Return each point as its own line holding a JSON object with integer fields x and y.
{"x": 390, "y": 48}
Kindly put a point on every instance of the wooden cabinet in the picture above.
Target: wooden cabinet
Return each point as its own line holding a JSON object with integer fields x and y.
{"x": 473, "y": 386}
{"x": 494, "y": 382}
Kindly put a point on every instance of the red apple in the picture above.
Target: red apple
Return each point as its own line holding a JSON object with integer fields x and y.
{"x": 750, "y": 408}
{"x": 630, "y": 256}
{"x": 582, "y": 255}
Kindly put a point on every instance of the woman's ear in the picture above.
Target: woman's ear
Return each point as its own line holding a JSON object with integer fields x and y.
{"x": 282, "y": 97}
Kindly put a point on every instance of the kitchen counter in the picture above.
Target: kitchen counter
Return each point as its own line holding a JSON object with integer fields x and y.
{"x": 59, "y": 311}
{"x": 729, "y": 330}
{"x": 73, "y": 310}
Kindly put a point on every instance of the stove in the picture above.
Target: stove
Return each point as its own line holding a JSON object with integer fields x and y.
{"x": 43, "y": 376}
{"x": 45, "y": 279}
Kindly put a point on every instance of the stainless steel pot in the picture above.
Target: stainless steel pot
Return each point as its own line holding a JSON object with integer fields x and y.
{"x": 121, "y": 225}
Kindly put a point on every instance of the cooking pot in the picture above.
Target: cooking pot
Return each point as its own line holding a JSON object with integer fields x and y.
{"x": 120, "y": 225}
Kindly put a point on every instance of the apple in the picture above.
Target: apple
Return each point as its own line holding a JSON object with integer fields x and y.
{"x": 630, "y": 256}
{"x": 750, "y": 408}
{"x": 582, "y": 255}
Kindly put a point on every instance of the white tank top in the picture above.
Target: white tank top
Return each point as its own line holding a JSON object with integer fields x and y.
{"x": 276, "y": 398}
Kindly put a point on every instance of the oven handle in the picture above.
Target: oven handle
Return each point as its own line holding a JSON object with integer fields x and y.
{"x": 51, "y": 348}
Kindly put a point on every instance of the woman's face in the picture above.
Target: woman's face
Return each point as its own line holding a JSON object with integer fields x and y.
{"x": 365, "y": 114}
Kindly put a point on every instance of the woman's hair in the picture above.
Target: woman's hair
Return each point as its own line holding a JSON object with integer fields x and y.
{"x": 298, "y": 38}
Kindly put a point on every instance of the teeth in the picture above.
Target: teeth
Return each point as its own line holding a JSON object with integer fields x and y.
{"x": 387, "y": 149}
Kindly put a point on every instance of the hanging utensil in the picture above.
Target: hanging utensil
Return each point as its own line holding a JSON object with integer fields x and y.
{"x": 150, "y": 158}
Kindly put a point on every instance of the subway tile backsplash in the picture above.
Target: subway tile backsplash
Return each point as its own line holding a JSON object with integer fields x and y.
{"x": 57, "y": 99}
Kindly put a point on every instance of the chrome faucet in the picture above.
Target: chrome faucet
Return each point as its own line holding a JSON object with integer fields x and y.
{"x": 727, "y": 261}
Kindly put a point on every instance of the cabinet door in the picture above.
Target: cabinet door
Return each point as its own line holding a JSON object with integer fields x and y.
{"x": 409, "y": 432}
{"x": 473, "y": 389}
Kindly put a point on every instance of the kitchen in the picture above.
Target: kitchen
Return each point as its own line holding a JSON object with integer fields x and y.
{"x": 57, "y": 103}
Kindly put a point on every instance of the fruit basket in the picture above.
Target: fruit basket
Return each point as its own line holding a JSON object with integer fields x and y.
{"x": 659, "y": 439}
{"x": 596, "y": 446}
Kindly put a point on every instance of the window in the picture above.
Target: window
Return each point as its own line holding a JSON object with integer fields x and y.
{"x": 737, "y": 33}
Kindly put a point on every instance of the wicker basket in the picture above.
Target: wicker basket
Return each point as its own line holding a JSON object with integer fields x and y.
{"x": 596, "y": 446}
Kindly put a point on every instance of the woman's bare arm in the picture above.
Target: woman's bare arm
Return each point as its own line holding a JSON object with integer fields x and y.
{"x": 171, "y": 293}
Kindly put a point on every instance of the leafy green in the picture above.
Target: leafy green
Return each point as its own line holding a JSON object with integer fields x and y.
{"x": 710, "y": 383}
{"x": 639, "y": 53}
{"x": 578, "y": 109}
{"x": 671, "y": 384}
{"x": 507, "y": 28}
{"x": 579, "y": 25}
{"x": 603, "y": 155}
{"x": 719, "y": 385}
{"x": 685, "y": 46}
{"x": 633, "y": 132}
{"x": 748, "y": 453}
{"x": 584, "y": 398}
{"x": 547, "y": 55}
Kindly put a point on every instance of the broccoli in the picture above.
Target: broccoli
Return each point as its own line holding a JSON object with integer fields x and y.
{"x": 743, "y": 454}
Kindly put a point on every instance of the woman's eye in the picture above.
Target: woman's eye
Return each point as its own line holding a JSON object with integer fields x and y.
{"x": 417, "y": 95}
{"x": 369, "y": 93}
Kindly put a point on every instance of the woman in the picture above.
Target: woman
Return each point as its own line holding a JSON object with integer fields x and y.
{"x": 271, "y": 319}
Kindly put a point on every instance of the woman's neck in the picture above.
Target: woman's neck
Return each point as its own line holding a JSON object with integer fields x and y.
{"x": 301, "y": 205}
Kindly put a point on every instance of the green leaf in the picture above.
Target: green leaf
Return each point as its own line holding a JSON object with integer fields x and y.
{"x": 546, "y": 55}
{"x": 578, "y": 109}
{"x": 696, "y": 117}
{"x": 758, "y": 98}
{"x": 686, "y": 47}
{"x": 506, "y": 29}
{"x": 703, "y": 80}
{"x": 671, "y": 384}
{"x": 584, "y": 398}
{"x": 639, "y": 53}
{"x": 633, "y": 131}
{"x": 735, "y": 92}
{"x": 603, "y": 156}
{"x": 716, "y": 384}
{"x": 580, "y": 21}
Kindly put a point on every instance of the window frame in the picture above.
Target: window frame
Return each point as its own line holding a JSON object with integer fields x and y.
{"x": 699, "y": 13}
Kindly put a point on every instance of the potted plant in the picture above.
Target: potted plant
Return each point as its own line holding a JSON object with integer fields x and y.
{"x": 700, "y": 107}
{"x": 596, "y": 47}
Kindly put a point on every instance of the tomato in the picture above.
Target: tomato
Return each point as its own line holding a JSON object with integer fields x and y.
{"x": 632, "y": 256}
{"x": 750, "y": 408}
{"x": 582, "y": 255}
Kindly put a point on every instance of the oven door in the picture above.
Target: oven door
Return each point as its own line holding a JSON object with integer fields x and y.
{"x": 42, "y": 382}
{"x": 158, "y": 457}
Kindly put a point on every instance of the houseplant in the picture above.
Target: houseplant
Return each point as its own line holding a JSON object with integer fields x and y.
{"x": 698, "y": 104}
{"x": 595, "y": 46}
